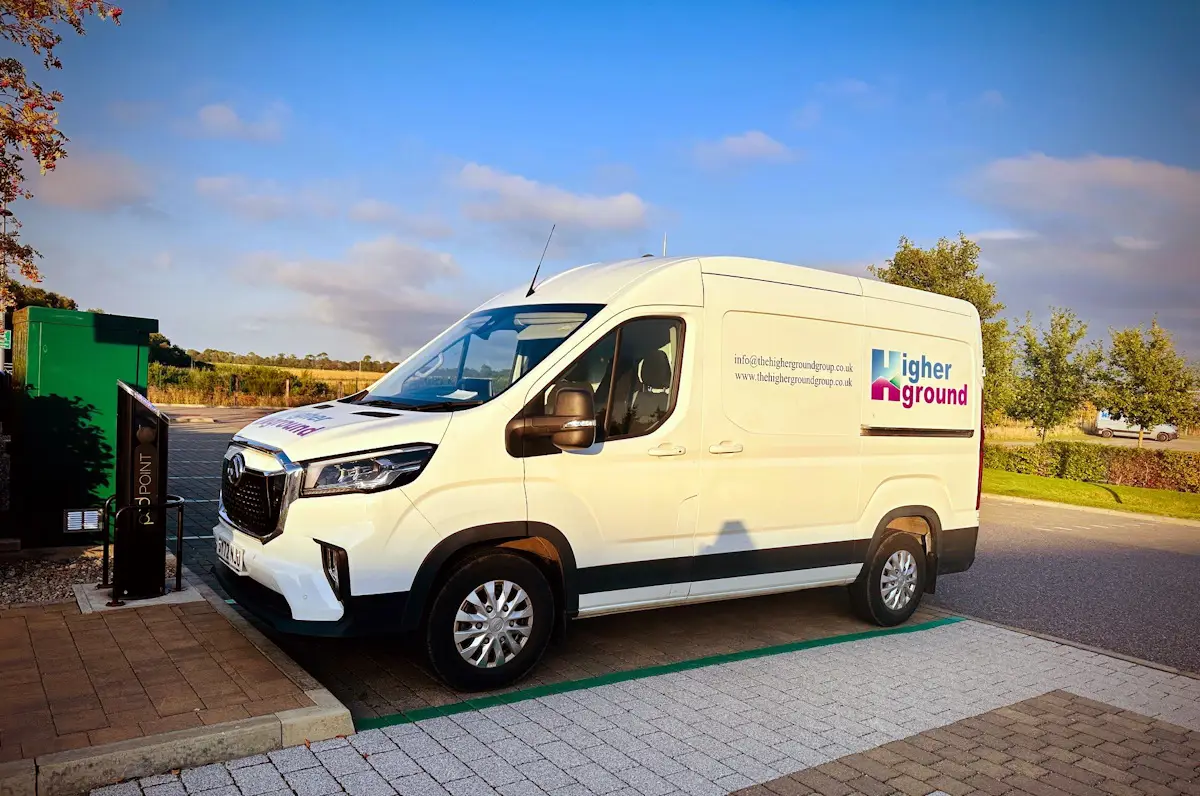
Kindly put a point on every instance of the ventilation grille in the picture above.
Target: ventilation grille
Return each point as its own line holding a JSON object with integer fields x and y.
{"x": 81, "y": 520}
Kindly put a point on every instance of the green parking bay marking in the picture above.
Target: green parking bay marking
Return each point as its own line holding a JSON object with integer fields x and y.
{"x": 535, "y": 692}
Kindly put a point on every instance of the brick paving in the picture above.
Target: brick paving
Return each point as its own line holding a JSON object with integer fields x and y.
{"x": 70, "y": 680}
{"x": 385, "y": 676}
{"x": 964, "y": 708}
{"x": 1056, "y": 743}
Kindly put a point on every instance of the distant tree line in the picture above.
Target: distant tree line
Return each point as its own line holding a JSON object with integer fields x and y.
{"x": 320, "y": 361}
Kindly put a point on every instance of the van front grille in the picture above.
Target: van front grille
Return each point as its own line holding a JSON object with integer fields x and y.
{"x": 253, "y": 504}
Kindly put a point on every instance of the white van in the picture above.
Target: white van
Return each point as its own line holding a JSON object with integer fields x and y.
{"x": 630, "y": 435}
{"x": 1108, "y": 426}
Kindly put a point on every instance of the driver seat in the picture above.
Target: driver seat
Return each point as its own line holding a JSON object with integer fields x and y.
{"x": 652, "y": 399}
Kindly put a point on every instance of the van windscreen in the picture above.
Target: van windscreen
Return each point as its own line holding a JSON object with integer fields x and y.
{"x": 479, "y": 358}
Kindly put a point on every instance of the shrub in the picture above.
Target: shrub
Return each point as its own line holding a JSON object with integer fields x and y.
{"x": 256, "y": 384}
{"x": 1086, "y": 461}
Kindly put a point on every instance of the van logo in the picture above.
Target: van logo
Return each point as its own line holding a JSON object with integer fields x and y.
{"x": 896, "y": 376}
{"x": 236, "y": 469}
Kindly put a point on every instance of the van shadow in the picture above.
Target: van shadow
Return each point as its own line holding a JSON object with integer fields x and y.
{"x": 60, "y": 460}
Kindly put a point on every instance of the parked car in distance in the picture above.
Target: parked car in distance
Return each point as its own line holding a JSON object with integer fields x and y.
{"x": 622, "y": 436}
{"x": 1107, "y": 426}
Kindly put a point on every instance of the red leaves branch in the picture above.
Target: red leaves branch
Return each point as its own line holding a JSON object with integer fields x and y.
{"x": 28, "y": 113}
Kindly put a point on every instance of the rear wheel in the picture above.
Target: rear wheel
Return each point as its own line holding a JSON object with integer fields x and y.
{"x": 490, "y": 621}
{"x": 891, "y": 585}
{"x": 1106, "y": 433}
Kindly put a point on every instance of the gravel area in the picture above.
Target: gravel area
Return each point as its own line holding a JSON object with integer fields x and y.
{"x": 37, "y": 577}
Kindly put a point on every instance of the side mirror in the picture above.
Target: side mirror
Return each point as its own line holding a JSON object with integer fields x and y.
{"x": 576, "y": 407}
{"x": 571, "y": 427}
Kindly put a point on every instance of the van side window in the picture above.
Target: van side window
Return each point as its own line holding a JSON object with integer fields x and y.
{"x": 635, "y": 388}
{"x": 643, "y": 379}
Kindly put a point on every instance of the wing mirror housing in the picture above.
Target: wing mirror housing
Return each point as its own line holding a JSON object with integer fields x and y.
{"x": 571, "y": 427}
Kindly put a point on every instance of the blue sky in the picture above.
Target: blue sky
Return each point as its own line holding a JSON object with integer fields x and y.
{"x": 276, "y": 176}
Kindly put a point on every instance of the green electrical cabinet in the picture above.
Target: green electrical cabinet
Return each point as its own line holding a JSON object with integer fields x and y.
{"x": 65, "y": 370}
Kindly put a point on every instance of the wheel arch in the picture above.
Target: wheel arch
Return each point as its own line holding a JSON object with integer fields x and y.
{"x": 521, "y": 536}
{"x": 915, "y": 520}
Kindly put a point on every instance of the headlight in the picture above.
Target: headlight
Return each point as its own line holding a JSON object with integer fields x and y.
{"x": 366, "y": 472}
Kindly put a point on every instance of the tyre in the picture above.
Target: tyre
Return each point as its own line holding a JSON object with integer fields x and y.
{"x": 891, "y": 585}
{"x": 490, "y": 621}
{"x": 1164, "y": 436}
{"x": 1106, "y": 433}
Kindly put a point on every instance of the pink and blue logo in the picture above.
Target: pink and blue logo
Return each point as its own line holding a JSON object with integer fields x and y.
{"x": 897, "y": 377}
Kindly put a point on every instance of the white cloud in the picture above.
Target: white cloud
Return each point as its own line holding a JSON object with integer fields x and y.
{"x": 807, "y": 117}
{"x": 386, "y": 214}
{"x": 857, "y": 92}
{"x": 1117, "y": 238}
{"x": 381, "y": 288}
{"x": 265, "y": 200}
{"x": 1133, "y": 244}
{"x": 846, "y": 87}
{"x": 748, "y": 147}
{"x": 221, "y": 120}
{"x": 1002, "y": 234}
{"x": 98, "y": 182}
{"x": 991, "y": 99}
{"x": 510, "y": 198}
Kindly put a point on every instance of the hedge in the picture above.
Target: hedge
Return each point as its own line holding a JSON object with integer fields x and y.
{"x": 1087, "y": 461}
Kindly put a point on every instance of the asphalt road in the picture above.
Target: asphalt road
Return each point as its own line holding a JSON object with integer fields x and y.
{"x": 1130, "y": 584}
{"x": 1127, "y": 583}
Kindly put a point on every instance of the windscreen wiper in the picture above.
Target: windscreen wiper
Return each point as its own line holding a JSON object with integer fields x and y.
{"x": 442, "y": 406}
{"x": 387, "y": 404}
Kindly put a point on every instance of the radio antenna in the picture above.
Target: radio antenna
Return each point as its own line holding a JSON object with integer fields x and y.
{"x": 539, "y": 265}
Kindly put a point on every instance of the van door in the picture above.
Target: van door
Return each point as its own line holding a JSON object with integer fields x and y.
{"x": 627, "y": 504}
{"x": 780, "y": 468}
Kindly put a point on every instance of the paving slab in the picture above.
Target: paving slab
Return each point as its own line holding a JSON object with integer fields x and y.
{"x": 93, "y": 698}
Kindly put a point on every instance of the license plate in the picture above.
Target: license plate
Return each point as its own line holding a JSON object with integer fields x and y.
{"x": 231, "y": 555}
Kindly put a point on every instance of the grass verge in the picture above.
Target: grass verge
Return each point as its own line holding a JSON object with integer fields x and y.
{"x": 1106, "y": 496}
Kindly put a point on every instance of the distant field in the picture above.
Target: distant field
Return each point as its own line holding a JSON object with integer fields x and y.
{"x": 364, "y": 379}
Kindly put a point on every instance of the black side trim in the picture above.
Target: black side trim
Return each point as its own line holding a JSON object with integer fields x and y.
{"x": 426, "y": 578}
{"x": 883, "y": 431}
{"x": 365, "y": 615}
{"x": 715, "y": 566}
{"x": 957, "y": 550}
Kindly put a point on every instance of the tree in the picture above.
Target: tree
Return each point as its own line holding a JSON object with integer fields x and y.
{"x": 28, "y": 296}
{"x": 951, "y": 268}
{"x": 29, "y": 114}
{"x": 163, "y": 352}
{"x": 1146, "y": 382}
{"x": 1057, "y": 374}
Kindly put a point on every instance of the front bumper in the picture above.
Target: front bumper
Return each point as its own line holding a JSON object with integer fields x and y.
{"x": 364, "y": 615}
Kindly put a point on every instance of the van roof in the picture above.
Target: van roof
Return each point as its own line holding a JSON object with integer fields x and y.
{"x": 603, "y": 281}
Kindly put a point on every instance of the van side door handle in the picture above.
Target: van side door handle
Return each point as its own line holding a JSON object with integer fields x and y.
{"x": 667, "y": 449}
{"x": 725, "y": 446}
